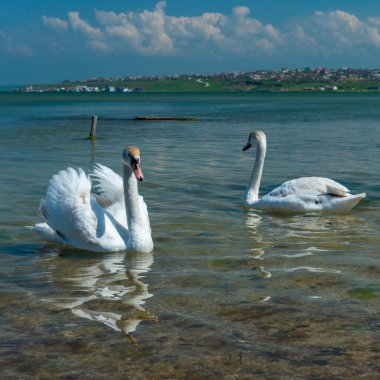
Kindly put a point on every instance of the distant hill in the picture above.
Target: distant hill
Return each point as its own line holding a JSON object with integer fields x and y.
{"x": 284, "y": 80}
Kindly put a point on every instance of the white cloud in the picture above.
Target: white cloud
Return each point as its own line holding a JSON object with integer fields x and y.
{"x": 83, "y": 26}
{"x": 144, "y": 32}
{"x": 338, "y": 32}
{"x": 153, "y": 32}
{"x": 299, "y": 36}
{"x": 10, "y": 47}
{"x": 99, "y": 46}
{"x": 375, "y": 21}
{"x": 54, "y": 22}
{"x": 241, "y": 11}
{"x": 95, "y": 37}
{"x": 109, "y": 18}
{"x": 207, "y": 28}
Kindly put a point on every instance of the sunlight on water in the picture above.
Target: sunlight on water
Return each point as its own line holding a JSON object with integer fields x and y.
{"x": 227, "y": 291}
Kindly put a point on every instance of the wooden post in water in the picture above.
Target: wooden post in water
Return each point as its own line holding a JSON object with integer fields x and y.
{"x": 93, "y": 127}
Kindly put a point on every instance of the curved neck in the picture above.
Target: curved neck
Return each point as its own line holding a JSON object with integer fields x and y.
{"x": 138, "y": 226}
{"x": 255, "y": 179}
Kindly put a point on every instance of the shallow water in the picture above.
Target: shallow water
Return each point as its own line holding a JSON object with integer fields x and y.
{"x": 228, "y": 292}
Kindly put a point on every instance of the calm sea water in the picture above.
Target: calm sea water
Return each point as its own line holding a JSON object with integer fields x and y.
{"x": 228, "y": 292}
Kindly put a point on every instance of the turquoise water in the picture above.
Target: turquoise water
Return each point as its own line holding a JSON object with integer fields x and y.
{"x": 228, "y": 292}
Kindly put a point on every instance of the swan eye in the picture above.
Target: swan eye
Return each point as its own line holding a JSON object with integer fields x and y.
{"x": 317, "y": 202}
{"x": 134, "y": 160}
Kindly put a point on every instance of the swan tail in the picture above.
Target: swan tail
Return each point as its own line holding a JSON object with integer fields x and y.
{"x": 46, "y": 232}
{"x": 348, "y": 202}
{"x": 357, "y": 198}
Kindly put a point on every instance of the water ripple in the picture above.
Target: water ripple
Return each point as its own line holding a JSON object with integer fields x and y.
{"x": 312, "y": 270}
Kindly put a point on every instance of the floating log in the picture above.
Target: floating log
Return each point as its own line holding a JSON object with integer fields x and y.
{"x": 154, "y": 118}
{"x": 93, "y": 127}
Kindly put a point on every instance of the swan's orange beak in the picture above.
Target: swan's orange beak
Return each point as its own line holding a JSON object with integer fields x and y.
{"x": 137, "y": 171}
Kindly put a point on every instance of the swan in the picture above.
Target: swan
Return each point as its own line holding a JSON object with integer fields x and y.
{"x": 115, "y": 219}
{"x": 305, "y": 194}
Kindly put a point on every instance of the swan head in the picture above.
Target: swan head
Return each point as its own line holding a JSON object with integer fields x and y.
{"x": 131, "y": 158}
{"x": 255, "y": 137}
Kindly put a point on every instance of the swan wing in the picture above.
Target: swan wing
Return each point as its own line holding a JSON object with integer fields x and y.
{"x": 73, "y": 217}
{"x": 108, "y": 190}
{"x": 144, "y": 212}
{"x": 67, "y": 207}
{"x": 310, "y": 186}
{"x": 335, "y": 188}
{"x": 108, "y": 184}
{"x": 309, "y": 194}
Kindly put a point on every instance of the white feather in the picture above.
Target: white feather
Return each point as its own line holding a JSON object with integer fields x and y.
{"x": 303, "y": 194}
{"x": 73, "y": 215}
{"x": 108, "y": 190}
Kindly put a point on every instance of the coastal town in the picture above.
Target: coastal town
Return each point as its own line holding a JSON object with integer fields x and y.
{"x": 306, "y": 79}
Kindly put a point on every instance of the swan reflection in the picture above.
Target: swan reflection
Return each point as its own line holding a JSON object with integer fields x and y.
{"x": 302, "y": 243}
{"x": 253, "y": 221}
{"x": 110, "y": 291}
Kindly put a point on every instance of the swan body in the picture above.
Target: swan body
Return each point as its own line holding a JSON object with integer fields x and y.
{"x": 305, "y": 194}
{"x": 115, "y": 219}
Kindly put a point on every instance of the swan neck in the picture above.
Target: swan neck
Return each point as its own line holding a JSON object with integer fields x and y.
{"x": 131, "y": 195}
{"x": 139, "y": 233}
{"x": 255, "y": 179}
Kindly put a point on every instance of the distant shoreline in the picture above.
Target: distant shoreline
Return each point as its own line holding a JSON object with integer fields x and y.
{"x": 344, "y": 80}
{"x": 284, "y": 91}
{"x": 115, "y": 95}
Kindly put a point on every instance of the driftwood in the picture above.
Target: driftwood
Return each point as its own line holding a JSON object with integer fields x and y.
{"x": 153, "y": 118}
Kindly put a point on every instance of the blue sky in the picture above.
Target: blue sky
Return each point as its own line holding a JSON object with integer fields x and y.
{"x": 48, "y": 41}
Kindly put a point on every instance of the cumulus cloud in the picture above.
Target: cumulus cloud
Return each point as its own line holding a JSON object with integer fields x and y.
{"x": 96, "y": 40}
{"x": 54, "y": 22}
{"x": 336, "y": 33}
{"x": 10, "y": 47}
{"x": 192, "y": 33}
{"x": 145, "y": 32}
{"x": 241, "y": 11}
{"x": 99, "y": 46}
{"x": 83, "y": 26}
{"x": 154, "y": 32}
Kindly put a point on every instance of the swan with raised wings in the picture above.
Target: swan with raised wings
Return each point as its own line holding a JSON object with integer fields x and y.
{"x": 114, "y": 220}
{"x": 305, "y": 194}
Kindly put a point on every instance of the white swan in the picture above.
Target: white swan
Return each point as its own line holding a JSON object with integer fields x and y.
{"x": 115, "y": 220}
{"x": 304, "y": 194}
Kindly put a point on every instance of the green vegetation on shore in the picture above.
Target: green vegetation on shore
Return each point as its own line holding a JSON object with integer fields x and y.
{"x": 309, "y": 80}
